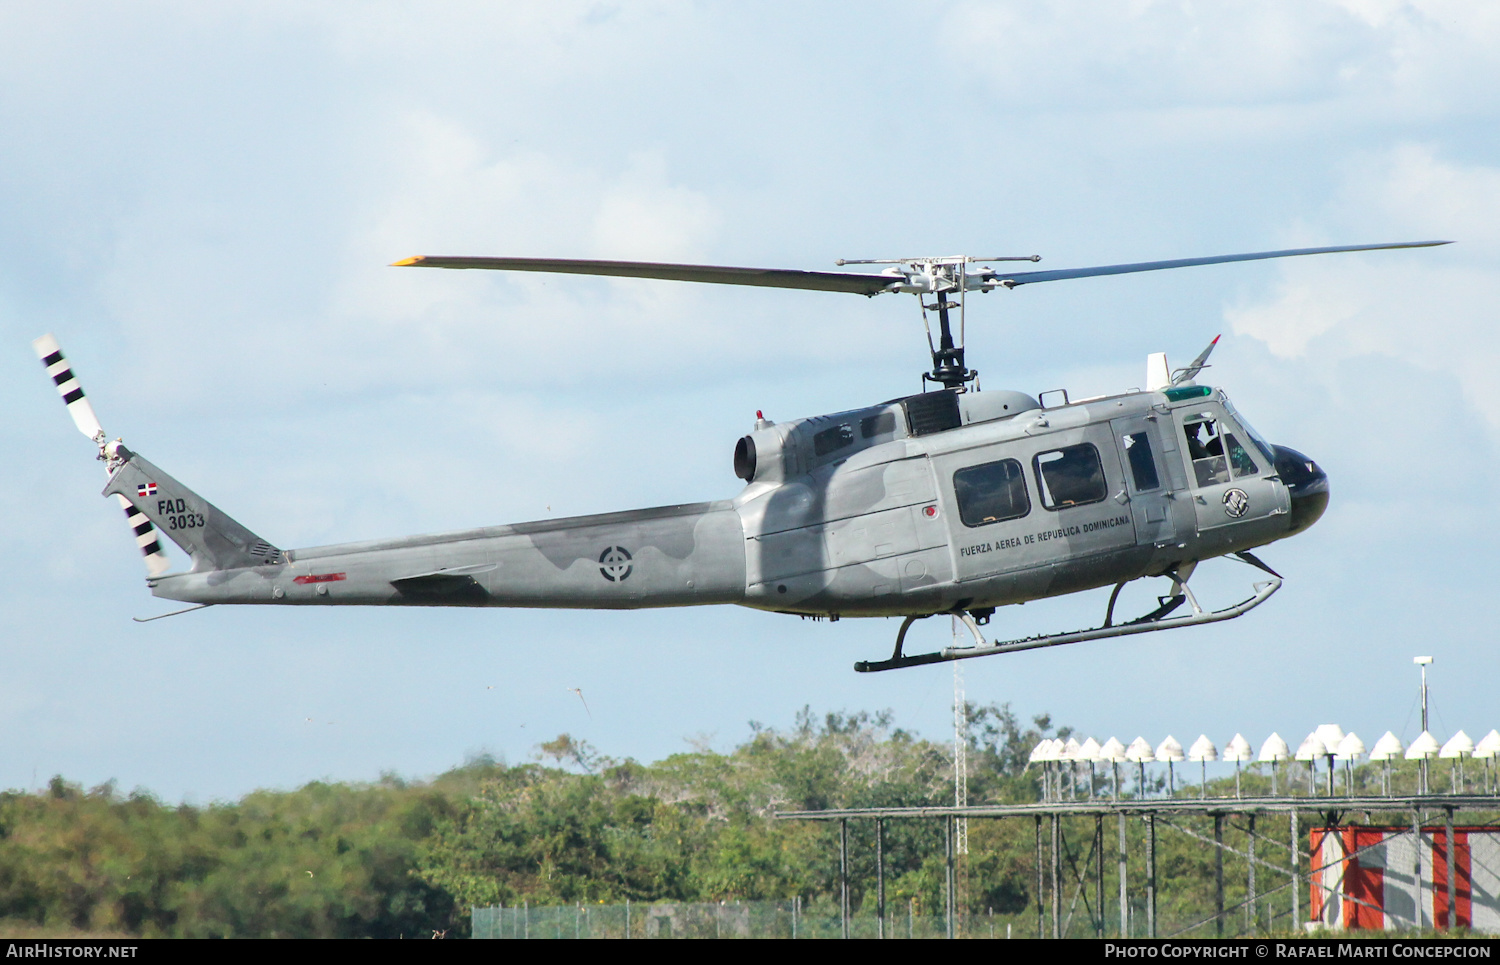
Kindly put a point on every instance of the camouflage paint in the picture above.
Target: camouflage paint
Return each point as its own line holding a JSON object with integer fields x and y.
{"x": 868, "y": 528}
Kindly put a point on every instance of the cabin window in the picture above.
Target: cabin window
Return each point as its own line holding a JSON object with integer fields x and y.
{"x": 877, "y": 425}
{"x": 1070, "y": 477}
{"x": 833, "y": 439}
{"x": 1205, "y": 447}
{"x": 1142, "y": 464}
{"x": 991, "y": 493}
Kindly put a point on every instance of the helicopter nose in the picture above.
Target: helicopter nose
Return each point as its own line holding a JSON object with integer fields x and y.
{"x": 1307, "y": 484}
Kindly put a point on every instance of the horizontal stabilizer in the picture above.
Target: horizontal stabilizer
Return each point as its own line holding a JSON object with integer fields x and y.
{"x": 452, "y": 588}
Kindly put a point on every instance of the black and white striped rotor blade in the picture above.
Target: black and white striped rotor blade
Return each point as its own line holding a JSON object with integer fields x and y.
{"x": 61, "y": 373}
{"x": 157, "y": 562}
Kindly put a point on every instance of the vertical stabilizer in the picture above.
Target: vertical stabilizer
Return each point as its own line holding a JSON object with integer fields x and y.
{"x": 213, "y": 539}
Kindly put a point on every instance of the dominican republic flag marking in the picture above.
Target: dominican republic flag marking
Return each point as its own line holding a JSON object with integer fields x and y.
{"x": 146, "y": 489}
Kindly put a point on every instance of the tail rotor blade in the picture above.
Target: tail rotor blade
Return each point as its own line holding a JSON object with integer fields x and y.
{"x": 157, "y": 562}
{"x": 61, "y": 373}
{"x": 62, "y": 376}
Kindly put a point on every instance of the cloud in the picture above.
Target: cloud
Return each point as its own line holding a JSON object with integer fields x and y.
{"x": 457, "y": 188}
{"x": 643, "y": 216}
{"x": 205, "y": 200}
{"x": 1433, "y": 308}
{"x": 1235, "y": 52}
{"x": 1374, "y": 59}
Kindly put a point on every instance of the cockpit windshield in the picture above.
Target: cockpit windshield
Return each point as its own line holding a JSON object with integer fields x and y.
{"x": 1255, "y": 437}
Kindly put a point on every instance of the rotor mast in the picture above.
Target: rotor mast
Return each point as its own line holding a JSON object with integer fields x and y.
{"x": 942, "y": 277}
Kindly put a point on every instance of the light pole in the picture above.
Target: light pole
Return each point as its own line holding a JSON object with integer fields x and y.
{"x": 1423, "y": 662}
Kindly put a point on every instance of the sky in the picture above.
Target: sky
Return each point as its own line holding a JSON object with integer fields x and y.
{"x": 202, "y": 202}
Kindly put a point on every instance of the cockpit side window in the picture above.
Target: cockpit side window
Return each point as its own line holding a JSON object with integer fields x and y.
{"x": 991, "y": 493}
{"x": 1068, "y": 477}
{"x": 1205, "y": 447}
{"x": 1240, "y": 459}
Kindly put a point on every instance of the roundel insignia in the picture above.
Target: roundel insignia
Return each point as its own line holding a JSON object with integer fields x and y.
{"x": 614, "y": 564}
{"x": 1236, "y": 502}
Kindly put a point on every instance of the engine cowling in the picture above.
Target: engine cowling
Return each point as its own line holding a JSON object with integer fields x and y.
{"x": 764, "y": 456}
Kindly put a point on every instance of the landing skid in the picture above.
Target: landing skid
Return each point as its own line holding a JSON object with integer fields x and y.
{"x": 1158, "y": 619}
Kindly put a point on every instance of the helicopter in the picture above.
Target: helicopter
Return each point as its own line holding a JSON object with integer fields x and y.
{"x": 953, "y": 501}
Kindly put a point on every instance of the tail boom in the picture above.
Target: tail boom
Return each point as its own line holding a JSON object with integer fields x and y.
{"x": 668, "y": 556}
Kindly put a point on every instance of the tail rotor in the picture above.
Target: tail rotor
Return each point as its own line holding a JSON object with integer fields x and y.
{"x": 61, "y": 373}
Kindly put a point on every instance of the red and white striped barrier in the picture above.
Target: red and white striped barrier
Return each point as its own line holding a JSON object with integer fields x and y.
{"x": 1384, "y": 878}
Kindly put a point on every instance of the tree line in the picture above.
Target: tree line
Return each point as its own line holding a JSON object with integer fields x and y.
{"x": 397, "y": 858}
{"x": 400, "y": 858}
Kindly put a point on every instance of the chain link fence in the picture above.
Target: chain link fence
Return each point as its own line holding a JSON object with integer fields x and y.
{"x": 750, "y": 919}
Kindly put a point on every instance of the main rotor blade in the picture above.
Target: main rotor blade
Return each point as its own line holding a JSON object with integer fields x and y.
{"x": 827, "y": 281}
{"x": 1012, "y": 279}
